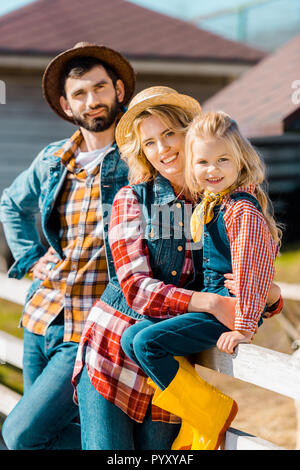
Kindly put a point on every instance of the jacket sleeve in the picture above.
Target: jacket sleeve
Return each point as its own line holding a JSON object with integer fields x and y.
{"x": 18, "y": 213}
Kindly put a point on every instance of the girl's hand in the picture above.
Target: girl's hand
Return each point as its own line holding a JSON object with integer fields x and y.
{"x": 229, "y": 340}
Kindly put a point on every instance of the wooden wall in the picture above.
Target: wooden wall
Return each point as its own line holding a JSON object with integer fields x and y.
{"x": 27, "y": 125}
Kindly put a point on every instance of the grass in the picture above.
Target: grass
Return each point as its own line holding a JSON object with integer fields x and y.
{"x": 288, "y": 264}
{"x": 11, "y": 377}
{"x": 10, "y": 314}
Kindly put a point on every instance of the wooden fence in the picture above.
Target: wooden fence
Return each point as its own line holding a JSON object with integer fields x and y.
{"x": 256, "y": 365}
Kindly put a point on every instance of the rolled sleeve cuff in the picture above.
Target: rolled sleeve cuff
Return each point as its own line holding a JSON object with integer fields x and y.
{"x": 22, "y": 265}
{"x": 179, "y": 301}
{"x": 245, "y": 324}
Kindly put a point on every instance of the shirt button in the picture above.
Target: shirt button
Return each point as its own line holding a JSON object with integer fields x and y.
{"x": 179, "y": 248}
{"x": 174, "y": 273}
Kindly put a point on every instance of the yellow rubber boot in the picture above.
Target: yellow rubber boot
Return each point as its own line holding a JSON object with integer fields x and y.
{"x": 205, "y": 411}
{"x": 185, "y": 436}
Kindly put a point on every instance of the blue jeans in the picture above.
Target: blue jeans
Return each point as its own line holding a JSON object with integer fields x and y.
{"x": 43, "y": 418}
{"x": 105, "y": 426}
{"x": 152, "y": 344}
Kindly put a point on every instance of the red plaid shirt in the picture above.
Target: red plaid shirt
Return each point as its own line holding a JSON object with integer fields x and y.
{"x": 112, "y": 373}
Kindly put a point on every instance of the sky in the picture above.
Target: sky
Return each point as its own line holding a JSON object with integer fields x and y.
{"x": 8, "y": 5}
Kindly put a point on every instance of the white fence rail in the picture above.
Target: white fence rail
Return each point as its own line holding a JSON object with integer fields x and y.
{"x": 268, "y": 369}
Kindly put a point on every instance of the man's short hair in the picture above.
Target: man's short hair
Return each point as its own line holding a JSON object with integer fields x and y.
{"x": 78, "y": 66}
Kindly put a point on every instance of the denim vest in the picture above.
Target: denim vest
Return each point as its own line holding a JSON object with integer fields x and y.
{"x": 165, "y": 219}
{"x": 216, "y": 248}
{"x": 35, "y": 191}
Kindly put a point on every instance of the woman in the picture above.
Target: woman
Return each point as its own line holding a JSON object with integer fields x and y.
{"x": 156, "y": 274}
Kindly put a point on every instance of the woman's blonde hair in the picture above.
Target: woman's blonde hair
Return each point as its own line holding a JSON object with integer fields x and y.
{"x": 251, "y": 169}
{"x": 140, "y": 169}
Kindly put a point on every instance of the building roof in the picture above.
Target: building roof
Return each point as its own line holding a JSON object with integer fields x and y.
{"x": 263, "y": 100}
{"x": 45, "y": 27}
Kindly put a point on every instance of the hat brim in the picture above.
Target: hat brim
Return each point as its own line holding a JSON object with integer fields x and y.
{"x": 185, "y": 102}
{"x": 51, "y": 85}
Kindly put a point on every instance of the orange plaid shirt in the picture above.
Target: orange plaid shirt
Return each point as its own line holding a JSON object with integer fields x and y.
{"x": 79, "y": 279}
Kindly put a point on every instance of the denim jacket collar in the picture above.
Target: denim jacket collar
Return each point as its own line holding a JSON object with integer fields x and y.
{"x": 163, "y": 191}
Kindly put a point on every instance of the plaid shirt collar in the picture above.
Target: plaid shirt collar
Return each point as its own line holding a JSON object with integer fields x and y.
{"x": 68, "y": 152}
{"x": 250, "y": 188}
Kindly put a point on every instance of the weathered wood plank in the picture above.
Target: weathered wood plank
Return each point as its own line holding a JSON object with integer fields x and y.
{"x": 238, "y": 440}
{"x": 8, "y": 401}
{"x": 13, "y": 290}
{"x": 263, "y": 367}
{"x": 290, "y": 291}
{"x": 11, "y": 350}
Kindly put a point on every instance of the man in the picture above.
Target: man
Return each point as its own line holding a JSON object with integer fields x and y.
{"x": 88, "y": 86}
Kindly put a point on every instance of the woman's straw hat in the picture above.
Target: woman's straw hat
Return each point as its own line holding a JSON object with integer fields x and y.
{"x": 51, "y": 79}
{"x": 153, "y": 96}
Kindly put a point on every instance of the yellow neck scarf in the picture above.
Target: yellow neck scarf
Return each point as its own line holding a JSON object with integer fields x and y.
{"x": 204, "y": 212}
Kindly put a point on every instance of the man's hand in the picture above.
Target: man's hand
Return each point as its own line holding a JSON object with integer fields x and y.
{"x": 228, "y": 341}
{"x": 40, "y": 269}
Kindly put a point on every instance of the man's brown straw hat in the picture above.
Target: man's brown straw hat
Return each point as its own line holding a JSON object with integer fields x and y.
{"x": 153, "y": 96}
{"x": 51, "y": 78}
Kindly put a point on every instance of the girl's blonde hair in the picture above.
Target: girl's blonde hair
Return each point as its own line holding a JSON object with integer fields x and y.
{"x": 140, "y": 169}
{"x": 251, "y": 169}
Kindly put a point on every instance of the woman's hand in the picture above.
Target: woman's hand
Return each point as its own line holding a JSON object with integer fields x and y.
{"x": 40, "y": 269}
{"x": 229, "y": 340}
{"x": 224, "y": 310}
{"x": 230, "y": 283}
{"x": 273, "y": 296}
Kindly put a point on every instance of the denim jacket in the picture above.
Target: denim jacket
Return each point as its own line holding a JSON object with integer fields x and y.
{"x": 34, "y": 193}
{"x": 164, "y": 224}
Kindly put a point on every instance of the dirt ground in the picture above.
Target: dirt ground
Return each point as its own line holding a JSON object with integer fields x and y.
{"x": 262, "y": 413}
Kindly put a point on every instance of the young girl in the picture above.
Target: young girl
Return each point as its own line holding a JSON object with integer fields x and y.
{"x": 239, "y": 235}
{"x": 225, "y": 171}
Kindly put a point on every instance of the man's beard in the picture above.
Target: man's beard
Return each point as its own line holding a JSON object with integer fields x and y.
{"x": 101, "y": 123}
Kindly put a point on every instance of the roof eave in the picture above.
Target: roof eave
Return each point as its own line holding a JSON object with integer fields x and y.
{"x": 162, "y": 65}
